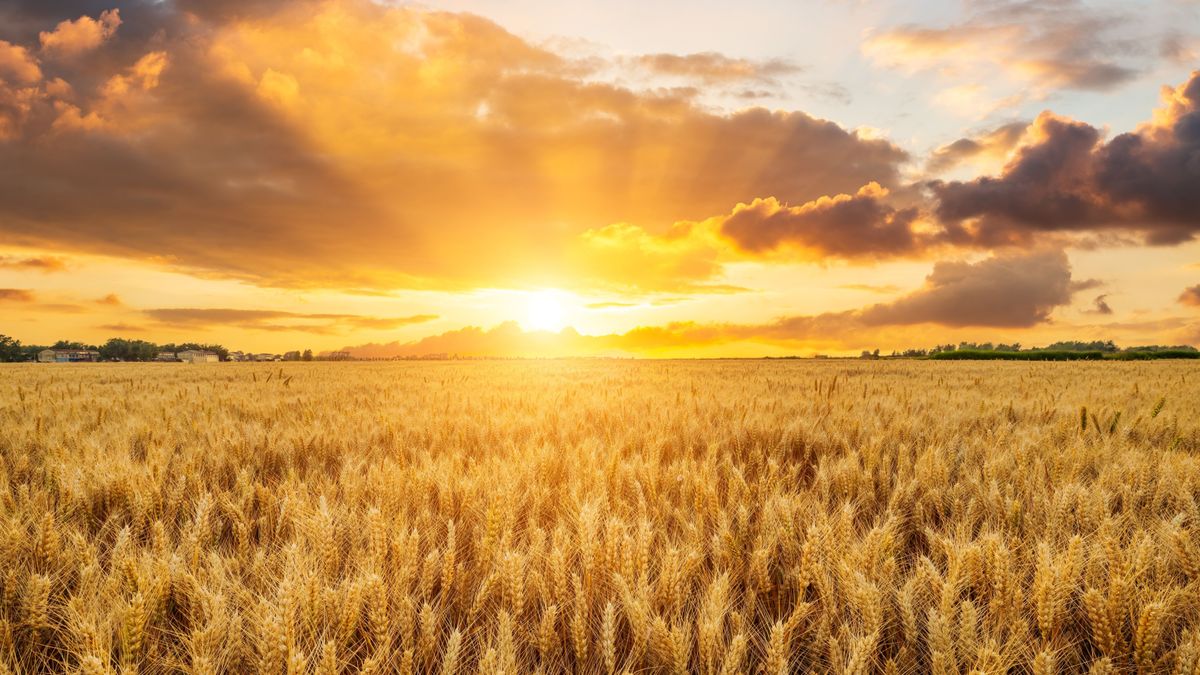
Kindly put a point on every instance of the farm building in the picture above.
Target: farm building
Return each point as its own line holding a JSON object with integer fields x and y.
{"x": 68, "y": 356}
{"x": 198, "y": 356}
{"x": 166, "y": 356}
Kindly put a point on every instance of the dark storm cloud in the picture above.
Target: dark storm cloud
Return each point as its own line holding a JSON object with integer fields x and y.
{"x": 1068, "y": 179}
{"x": 1009, "y": 291}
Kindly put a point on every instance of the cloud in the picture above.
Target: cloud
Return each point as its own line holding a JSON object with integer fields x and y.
{"x": 46, "y": 264}
{"x": 610, "y": 305}
{"x": 1043, "y": 46}
{"x": 359, "y": 145}
{"x": 27, "y": 297}
{"x": 994, "y": 144}
{"x": 277, "y": 320}
{"x": 1001, "y": 292}
{"x": 885, "y": 289}
{"x": 1100, "y": 305}
{"x": 449, "y": 152}
{"x": 71, "y": 38}
{"x": 686, "y": 258}
{"x": 845, "y": 226}
{"x": 110, "y": 300}
{"x": 690, "y": 256}
{"x": 1190, "y": 296}
{"x": 16, "y": 295}
{"x": 1066, "y": 179}
{"x": 1009, "y": 291}
{"x": 233, "y": 10}
{"x": 123, "y": 327}
{"x": 17, "y": 65}
{"x": 714, "y": 68}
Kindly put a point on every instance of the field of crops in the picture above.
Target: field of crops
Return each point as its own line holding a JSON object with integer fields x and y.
{"x": 601, "y": 517}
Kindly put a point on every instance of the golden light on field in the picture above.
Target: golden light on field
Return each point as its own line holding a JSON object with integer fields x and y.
{"x": 480, "y": 337}
{"x": 601, "y": 517}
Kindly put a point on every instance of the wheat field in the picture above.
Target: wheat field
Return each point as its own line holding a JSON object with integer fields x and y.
{"x": 600, "y": 517}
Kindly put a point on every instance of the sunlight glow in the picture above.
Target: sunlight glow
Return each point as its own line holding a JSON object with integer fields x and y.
{"x": 546, "y": 311}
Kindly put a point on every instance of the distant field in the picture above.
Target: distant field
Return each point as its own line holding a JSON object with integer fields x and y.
{"x": 601, "y": 517}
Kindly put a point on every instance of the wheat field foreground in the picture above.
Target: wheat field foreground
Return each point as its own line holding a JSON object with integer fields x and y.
{"x": 600, "y": 517}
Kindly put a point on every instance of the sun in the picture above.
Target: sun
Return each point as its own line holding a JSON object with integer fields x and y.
{"x": 546, "y": 311}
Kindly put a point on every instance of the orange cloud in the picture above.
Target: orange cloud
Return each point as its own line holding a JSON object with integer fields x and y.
{"x": 1190, "y": 296}
{"x": 844, "y": 226}
{"x": 993, "y": 144}
{"x": 123, "y": 327}
{"x": 714, "y": 68}
{"x": 349, "y": 144}
{"x": 17, "y": 64}
{"x": 277, "y": 320}
{"x": 16, "y": 295}
{"x": 884, "y": 289}
{"x": 71, "y": 38}
{"x": 684, "y": 259}
{"x": 45, "y": 264}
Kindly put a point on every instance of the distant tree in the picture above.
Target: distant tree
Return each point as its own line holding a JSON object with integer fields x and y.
{"x": 1160, "y": 348}
{"x": 10, "y": 349}
{"x": 219, "y": 350}
{"x": 68, "y": 344}
{"x": 129, "y": 350}
{"x": 307, "y": 356}
{"x": 30, "y": 352}
{"x": 291, "y": 356}
{"x": 1079, "y": 346}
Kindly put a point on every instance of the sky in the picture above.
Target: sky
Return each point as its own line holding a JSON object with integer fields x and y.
{"x": 615, "y": 178}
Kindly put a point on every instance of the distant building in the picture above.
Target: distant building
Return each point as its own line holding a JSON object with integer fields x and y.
{"x": 198, "y": 356}
{"x": 267, "y": 357}
{"x": 237, "y": 356}
{"x": 68, "y": 356}
{"x": 166, "y": 356}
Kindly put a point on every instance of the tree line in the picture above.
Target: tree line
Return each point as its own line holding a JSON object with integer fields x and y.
{"x": 121, "y": 349}
{"x": 1102, "y": 347}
